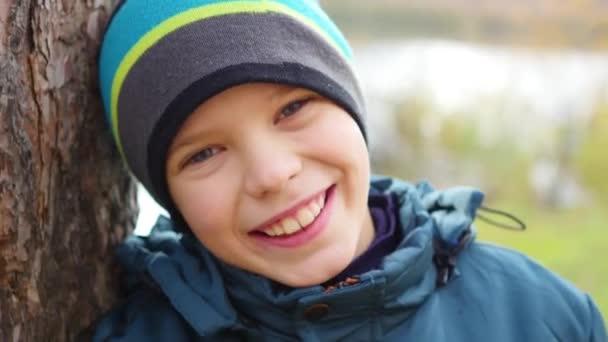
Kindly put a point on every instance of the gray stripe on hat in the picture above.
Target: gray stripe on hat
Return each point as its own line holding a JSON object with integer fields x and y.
{"x": 201, "y": 48}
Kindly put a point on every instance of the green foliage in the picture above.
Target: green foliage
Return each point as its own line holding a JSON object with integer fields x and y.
{"x": 409, "y": 117}
{"x": 460, "y": 136}
{"x": 591, "y": 160}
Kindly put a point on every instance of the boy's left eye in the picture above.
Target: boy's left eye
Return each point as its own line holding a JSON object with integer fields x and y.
{"x": 203, "y": 155}
{"x": 292, "y": 108}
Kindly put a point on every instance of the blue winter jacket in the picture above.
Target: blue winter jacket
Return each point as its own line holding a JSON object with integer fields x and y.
{"x": 438, "y": 285}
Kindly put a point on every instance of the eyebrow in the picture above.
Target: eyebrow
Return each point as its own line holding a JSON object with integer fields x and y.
{"x": 283, "y": 92}
{"x": 187, "y": 141}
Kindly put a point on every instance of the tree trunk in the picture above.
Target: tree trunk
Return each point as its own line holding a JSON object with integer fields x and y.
{"x": 66, "y": 199}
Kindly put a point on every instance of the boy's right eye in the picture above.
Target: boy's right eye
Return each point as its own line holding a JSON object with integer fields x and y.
{"x": 203, "y": 155}
{"x": 292, "y": 108}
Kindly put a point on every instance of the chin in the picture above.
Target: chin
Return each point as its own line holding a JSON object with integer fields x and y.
{"x": 299, "y": 283}
{"x": 306, "y": 279}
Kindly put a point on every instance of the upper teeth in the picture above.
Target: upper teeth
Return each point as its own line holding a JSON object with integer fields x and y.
{"x": 300, "y": 219}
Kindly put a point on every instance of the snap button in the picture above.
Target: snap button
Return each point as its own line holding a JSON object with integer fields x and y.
{"x": 316, "y": 311}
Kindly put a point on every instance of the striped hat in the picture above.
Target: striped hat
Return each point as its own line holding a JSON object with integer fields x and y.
{"x": 161, "y": 58}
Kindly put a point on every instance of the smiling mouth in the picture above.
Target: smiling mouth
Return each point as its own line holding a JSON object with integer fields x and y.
{"x": 297, "y": 221}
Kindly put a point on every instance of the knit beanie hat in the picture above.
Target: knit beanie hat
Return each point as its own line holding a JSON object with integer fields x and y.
{"x": 160, "y": 59}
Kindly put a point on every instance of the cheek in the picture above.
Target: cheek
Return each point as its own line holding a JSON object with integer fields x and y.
{"x": 344, "y": 148}
{"x": 204, "y": 205}
{"x": 340, "y": 140}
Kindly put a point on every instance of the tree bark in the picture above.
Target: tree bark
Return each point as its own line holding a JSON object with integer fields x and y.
{"x": 66, "y": 199}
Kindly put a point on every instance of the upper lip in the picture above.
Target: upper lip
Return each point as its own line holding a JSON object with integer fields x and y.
{"x": 287, "y": 213}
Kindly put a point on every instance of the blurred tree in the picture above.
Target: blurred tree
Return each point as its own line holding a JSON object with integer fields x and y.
{"x": 65, "y": 197}
{"x": 538, "y": 23}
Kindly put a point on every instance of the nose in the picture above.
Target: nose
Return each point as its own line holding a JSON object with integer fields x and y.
{"x": 269, "y": 167}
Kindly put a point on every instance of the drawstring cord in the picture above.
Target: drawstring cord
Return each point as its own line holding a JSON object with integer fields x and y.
{"x": 445, "y": 260}
{"x": 520, "y": 224}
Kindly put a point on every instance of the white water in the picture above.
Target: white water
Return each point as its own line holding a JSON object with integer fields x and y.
{"x": 524, "y": 90}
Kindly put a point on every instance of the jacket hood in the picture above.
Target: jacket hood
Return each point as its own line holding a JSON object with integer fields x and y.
{"x": 211, "y": 296}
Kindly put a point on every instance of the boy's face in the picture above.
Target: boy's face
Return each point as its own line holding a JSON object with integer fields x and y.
{"x": 256, "y": 163}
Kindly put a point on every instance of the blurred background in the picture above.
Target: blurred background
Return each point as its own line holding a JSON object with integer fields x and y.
{"x": 509, "y": 96}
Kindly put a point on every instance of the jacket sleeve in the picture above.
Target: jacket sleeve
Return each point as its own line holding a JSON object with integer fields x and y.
{"x": 598, "y": 330}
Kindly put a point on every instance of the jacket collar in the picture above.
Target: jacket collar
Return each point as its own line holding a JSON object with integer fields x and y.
{"x": 208, "y": 293}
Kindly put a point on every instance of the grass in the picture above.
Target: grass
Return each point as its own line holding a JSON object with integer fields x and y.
{"x": 571, "y": 243}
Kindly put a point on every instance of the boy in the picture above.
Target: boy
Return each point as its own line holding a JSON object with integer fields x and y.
{"x": 245, "y": 121}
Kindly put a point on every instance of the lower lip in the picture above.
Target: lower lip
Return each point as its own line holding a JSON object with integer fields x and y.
{"x": 305, "y": 235}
